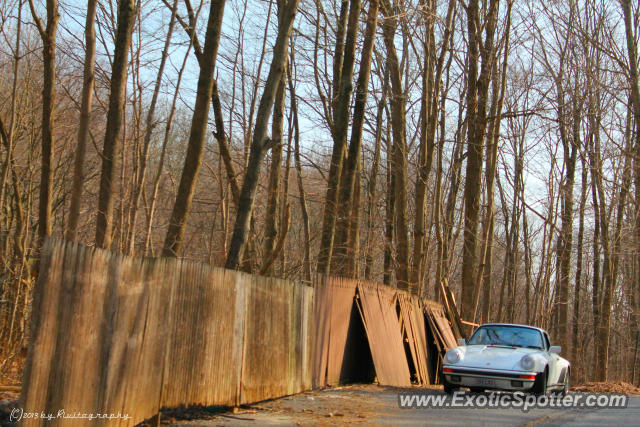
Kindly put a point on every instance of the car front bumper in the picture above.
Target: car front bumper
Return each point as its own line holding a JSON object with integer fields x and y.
{"x": 488, "y": 379}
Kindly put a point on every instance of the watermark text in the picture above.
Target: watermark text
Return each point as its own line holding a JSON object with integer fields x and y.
{"x": 516, "y": 400}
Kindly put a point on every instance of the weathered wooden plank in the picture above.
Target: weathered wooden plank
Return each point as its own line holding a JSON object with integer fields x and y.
{"x": 47, "y": 294}
{"x": 383, "y": 333}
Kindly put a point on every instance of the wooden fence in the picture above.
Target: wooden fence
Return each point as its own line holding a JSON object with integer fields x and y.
{"x": 118, "y": 335}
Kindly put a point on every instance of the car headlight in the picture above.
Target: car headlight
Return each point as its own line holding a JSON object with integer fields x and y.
{"x": 453, "y": 356}
{"x": 527, "y": 363}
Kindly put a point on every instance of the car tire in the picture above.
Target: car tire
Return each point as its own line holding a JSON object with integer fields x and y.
{"x": 540, "y": 384}
{"x": 449, "y": 389}
{"x": 565, "y": 387}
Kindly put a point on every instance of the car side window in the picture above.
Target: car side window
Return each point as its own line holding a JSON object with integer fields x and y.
{"x": 546, "y": 340}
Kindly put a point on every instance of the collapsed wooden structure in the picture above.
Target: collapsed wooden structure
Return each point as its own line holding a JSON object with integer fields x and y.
{"x": 395, "y": 336}
{"x": 113, "y": 334}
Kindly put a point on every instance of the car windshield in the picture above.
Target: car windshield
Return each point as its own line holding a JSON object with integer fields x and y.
{"x": 511, "y": 336}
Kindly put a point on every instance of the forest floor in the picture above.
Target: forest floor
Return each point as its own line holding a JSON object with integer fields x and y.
{"x": 11, "y": 379}
{"x": 607, "y": 387}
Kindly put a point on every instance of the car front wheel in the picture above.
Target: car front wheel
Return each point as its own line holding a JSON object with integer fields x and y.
{"x": 540, "y": 384}
{"x": 449, "y": 389}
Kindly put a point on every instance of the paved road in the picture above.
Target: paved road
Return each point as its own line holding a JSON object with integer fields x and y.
{"x": 366, "y": 405}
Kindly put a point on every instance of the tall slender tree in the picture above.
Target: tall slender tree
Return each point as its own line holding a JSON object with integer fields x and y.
{"x": 124, "y": 29}
{"x": 399, "y": 155}
{"x": 193, "y": 159}
{"x": 286, "y": 14}
{"x": 88, "y": 79}
{"x": 48, "y": 36}
{"x": 344, "y": 251}
{"x": 343, "y": 62}
{"x": 477, "y": 95}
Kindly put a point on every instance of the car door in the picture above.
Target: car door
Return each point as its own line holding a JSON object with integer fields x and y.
{"x": 552, "y": 358}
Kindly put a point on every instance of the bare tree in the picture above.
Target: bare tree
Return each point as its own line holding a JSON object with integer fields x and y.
{"x": 104, "y": 223}
{"x": 88, "y": 80}
{"x": 349, "y": 185}
{"x": 343, "y": 62}
{"x": 286, "y": 14}
{"x": 631, "y": 29}
{"x": 399, "y": 164}
{"x": 477, "y": 95}
{"x": 150, "y": 125}
{"x": 193, "y": 159}
{"x": 48, "y": 36}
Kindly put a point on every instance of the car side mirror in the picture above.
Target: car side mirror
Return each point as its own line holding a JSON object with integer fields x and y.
{"x": 462, "y": 342}
{"x": 555, "y": 349}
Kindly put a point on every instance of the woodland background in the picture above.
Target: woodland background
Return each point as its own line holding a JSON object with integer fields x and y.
{"x": 493, "y": 144}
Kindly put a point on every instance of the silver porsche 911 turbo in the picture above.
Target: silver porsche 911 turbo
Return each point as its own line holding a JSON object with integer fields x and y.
{"x": 502, "y": 356}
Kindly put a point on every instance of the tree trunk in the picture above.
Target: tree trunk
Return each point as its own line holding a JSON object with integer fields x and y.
{"x": 399, "y": 155}
{"x": 48, "y": 35}
{"x": 425, "y": 152}
{"x": 150, "y": 125}
{"x": 373, "y": 182}
{"x": 193, "y": 160}
{"x": 488, "y": 223}
{"x": 298, "y": 165}
{"x": 126, "y": 18}
{"x": 631, "y": 26}
{"x": 286, "y": 14}
{"x": 148, "y": 247}
{"x": 389, "y": 209}
{"x": 344, "y": 59}
{"x": 273, "y": 188}
{"x": 477, "y": 89}
{"x": 85, "y": 118}
{"x": 344, "y": 251}
{"x": 577, "y": 315}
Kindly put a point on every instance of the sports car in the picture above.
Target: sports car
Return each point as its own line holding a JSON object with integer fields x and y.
{"x": 501, "y": 356}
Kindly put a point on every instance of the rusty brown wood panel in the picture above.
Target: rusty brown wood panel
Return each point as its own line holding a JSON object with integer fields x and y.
{"x": 58, "y": 357}
{"x": 322, "y": 323}
{"x": 413, "y": 322}
{"x": 420, "y": 336}
{"x": 445, "y": 328}
{"x": 272, "y": 360}
{"x": 146, "y": 376}
{"x": 308, "y": 304}
{"x": 200, "y": 361}
{"x": 440, "y": 327}
{"x": 301, "y": 346}
{"x": 377, "y": 305}
{"x": 343, "y": 291}
{"x": 121, "y": 336}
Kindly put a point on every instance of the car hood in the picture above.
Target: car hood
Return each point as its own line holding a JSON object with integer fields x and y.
{"x": 493, "y": 357}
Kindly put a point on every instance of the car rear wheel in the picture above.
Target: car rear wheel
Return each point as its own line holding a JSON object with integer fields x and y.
{"x": 565, "y": 388}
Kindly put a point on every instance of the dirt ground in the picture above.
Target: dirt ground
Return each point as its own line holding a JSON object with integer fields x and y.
{"x": 11, "y": 379}
{"x": 608, "y": 387}
{"x": 376, "y": 405}
{"x": 351, "y": 404}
